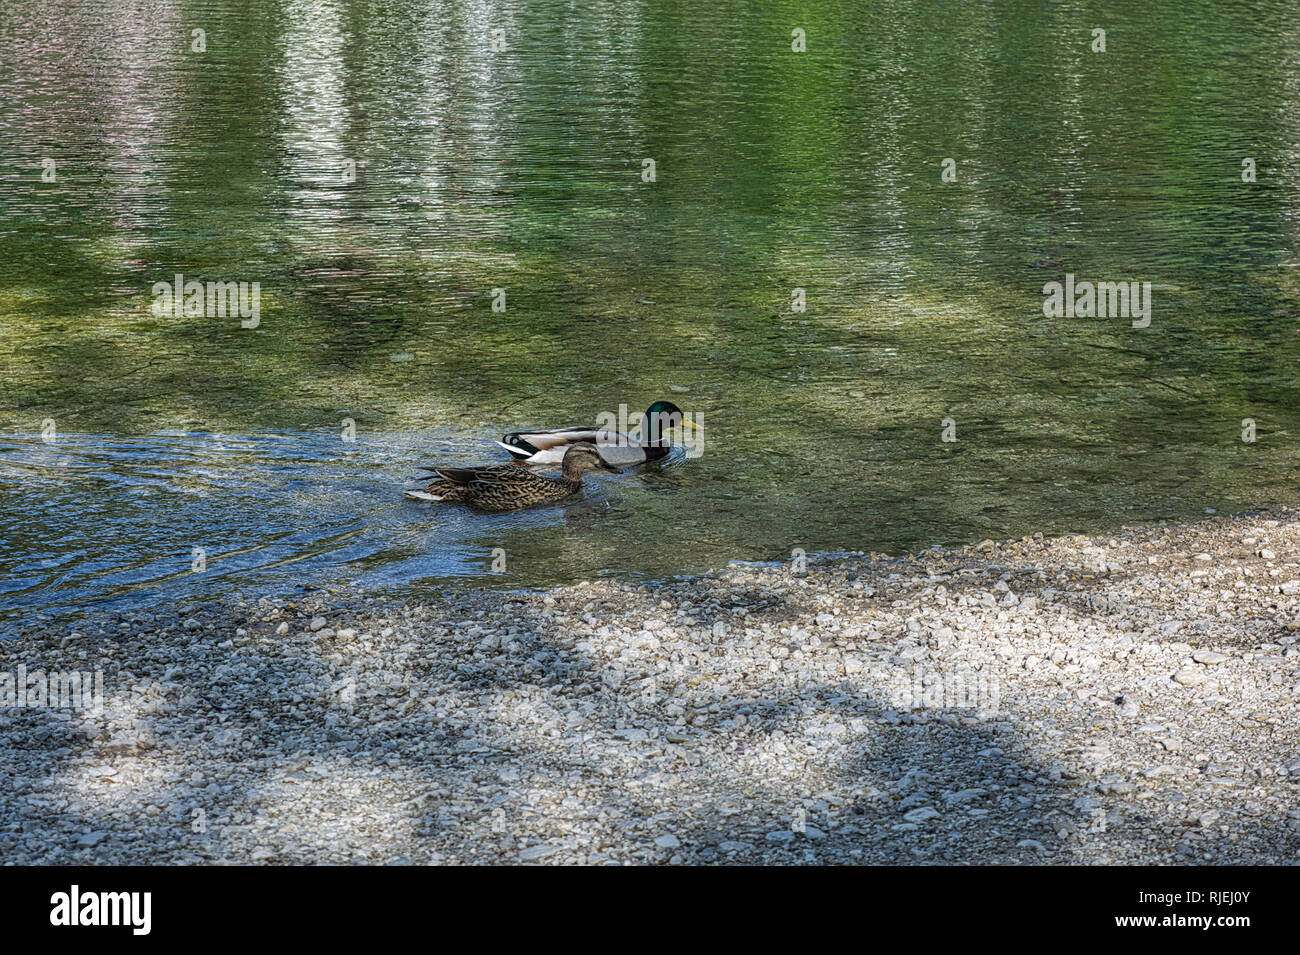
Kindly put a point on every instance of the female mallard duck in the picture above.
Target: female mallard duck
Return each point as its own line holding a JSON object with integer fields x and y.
{"x": 509, "y": 487}
{"x": 548, "y": 447}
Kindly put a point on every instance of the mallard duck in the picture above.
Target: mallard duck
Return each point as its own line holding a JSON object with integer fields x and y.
{"x": 509, "y": 487}
{"x": 548, "y": 447}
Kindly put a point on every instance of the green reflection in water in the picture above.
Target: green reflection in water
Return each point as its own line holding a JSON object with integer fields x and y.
{"x": 775, "y": 170}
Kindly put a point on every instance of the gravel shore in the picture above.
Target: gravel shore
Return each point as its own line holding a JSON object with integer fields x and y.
{"x": 1125, "y": 699}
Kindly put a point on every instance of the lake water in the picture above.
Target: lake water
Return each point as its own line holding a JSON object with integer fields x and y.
{"x": 378, "y": 169}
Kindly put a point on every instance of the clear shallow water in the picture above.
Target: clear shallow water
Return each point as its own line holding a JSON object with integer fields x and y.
{"x": 521, "y": 170}
{"x": 122, "y": 520}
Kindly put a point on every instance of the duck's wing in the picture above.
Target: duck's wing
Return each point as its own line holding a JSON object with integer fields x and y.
{"x": 455, "y": 475}
{"x": 485, "y": 472}
{"x": 439, "y": 489}
{"x": 524, "y": 445}
{"x": 453, "y": 484}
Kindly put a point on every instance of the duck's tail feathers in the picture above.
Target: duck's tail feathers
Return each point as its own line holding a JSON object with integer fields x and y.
{"x": 519, "y": 454}
{"x": 422, "y": 496}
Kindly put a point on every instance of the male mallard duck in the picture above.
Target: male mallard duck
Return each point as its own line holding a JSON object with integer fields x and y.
{"x": 548, "y": 447}
{"x": 509, "y": 487}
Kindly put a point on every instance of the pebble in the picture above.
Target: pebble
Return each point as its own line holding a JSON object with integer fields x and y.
{"x": 533, "y": 853}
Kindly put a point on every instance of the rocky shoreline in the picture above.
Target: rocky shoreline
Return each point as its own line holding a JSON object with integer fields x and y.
{"x": 1119, "y": 699}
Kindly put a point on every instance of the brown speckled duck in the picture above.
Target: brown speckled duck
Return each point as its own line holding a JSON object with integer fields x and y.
{"x": 509, "y": 487}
